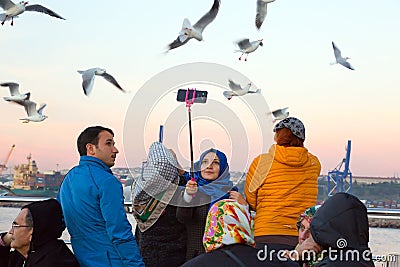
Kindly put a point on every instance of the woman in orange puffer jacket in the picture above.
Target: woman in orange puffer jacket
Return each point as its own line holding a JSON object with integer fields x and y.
{"x": 280, "y": 185}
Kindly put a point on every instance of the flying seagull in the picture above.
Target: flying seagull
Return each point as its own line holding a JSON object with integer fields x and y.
{"x": 196, "y": 31}
{"x": 16, "y": 96}
{"x": 33, "y": 114}
{"x": 261, "y": 11}
{"x": 237, "y": 90}
{"x": 88, "y": 79}
{"x": 246, "y": 47}
{"x": 280, "y": 114}
{"x": 339, "y": 59}
{"x": 13, "y": 10}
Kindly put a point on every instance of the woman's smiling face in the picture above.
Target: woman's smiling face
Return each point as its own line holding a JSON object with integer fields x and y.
{"x": 210, "y": 166}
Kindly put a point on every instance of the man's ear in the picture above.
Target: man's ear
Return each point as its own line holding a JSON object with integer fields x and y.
{"x": 90, "y": 149}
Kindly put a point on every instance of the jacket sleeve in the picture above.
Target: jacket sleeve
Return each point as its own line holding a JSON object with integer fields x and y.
{"x": 4, "y": 253}
{"x": 251, "y": 197}
{"x": 118, "y": 227}
{"x": 257, "y": 175}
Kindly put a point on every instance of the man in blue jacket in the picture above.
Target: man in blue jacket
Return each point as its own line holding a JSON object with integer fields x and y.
{"x": 93, "y": 205}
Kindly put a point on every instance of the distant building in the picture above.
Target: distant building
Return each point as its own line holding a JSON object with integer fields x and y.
{"x": 27, "y": 177}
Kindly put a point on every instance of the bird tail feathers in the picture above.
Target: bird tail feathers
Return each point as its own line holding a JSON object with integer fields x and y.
{"x": 80, "y": 71}
{"x": 186, "y": 25}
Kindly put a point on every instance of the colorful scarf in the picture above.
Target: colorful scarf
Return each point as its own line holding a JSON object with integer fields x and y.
{"x": 308, "y": 214}
{"x": 217, "y": 189}
{"x": 228, "y": 222}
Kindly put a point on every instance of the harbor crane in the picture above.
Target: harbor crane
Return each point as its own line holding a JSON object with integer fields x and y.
{"x": 338, "y": 177}
{"x": 4, "y": 165}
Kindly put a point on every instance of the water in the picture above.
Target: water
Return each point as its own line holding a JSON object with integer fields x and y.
{"x": 382, "y": 240}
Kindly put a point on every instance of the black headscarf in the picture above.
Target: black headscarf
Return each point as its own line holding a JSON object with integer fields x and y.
{"x": 341, "y": 223}
{"x": 47, "y": 221}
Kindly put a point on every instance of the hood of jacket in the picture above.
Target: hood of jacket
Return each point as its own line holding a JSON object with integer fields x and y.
{"x": 291, "y": 156}
{"x": 47, "y": 222}
{"x": 341, "y": 223}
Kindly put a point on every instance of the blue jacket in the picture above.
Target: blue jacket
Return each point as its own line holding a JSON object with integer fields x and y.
{"x": 93, "y": 206}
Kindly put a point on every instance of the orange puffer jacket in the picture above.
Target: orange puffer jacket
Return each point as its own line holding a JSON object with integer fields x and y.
{"x": 280, "y": 185}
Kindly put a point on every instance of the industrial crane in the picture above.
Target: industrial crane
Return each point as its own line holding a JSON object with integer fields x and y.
{"x": 4, "y": 165}
{"x": 339, "y": 176}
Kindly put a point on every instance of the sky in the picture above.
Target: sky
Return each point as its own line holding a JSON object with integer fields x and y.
{"x": 292, "y": 69}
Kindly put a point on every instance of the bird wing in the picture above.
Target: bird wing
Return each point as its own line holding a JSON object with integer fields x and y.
{"x": 279, "y": 112}
{"x": 6, "y": 4}
{"x": 337, "y": 52}
{"x": 234, "y": 86}
{"x": 88, "y": 80}
{"x": 30, "y": 107}
{"x": 261, "y": 13}
{"x": 42, "y": 9}
{"x": 181, "y": 40}
{"x": 346, "y": 64}
{"x": 40, "y": 110}
{"x": 112, "y": 80}
{"x": 209, "y": 17}
{"x": 243, "y": 44}
{"x": 13, "y": 88}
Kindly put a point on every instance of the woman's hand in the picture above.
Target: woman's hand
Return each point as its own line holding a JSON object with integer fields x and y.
{"x": 191, "y": 187}
{"x": 238, "y": 197}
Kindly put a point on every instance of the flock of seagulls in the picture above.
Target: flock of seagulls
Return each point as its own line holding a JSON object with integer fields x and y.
{"x": 13, "y": 10}
{"x": 24, "y": 100}
{"x": 188, "y": 31}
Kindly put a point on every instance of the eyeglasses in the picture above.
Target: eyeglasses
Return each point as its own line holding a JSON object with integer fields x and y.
{"x": 14, "y": 225}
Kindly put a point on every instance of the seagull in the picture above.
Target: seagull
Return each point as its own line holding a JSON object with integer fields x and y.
{"x": 13, "y": 10}
{"x": 247, "y": 47}
{"x": 88, "y": 79}
{"x": 237, "y": 90}
{"x": 196, "y": 31}
{"x": 339, "y": 59}
{"x": 280, "y": 114}
{"x": 16, "y": 96}
{"x": 261, "y": 11}
{"x": 33, "y": 114}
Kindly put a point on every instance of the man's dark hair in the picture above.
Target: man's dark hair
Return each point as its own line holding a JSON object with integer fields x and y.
{"x": 90, "y": 136}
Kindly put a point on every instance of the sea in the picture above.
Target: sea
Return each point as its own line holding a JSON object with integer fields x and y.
{"x": 383, "y": 241}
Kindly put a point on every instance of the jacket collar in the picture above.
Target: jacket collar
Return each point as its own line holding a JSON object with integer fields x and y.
{"x": 94, "y": 161}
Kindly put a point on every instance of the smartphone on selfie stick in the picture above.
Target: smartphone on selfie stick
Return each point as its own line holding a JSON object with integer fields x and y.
{"x": 191, "y": 96}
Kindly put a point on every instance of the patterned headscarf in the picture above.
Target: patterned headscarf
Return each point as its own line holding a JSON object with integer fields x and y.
{"x": 307, "y": 214}
{"x": 217, "y": 189}
{"x": 294, "y": 125}
{"x": 228, "y": 222}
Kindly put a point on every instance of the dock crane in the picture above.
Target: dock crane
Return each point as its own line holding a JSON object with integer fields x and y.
{"x": 4, "y": 165}
{"x": 338, "y": 176}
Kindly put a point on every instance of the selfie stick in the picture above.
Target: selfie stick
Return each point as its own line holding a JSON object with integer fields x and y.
{"x": 190, "y": 102}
